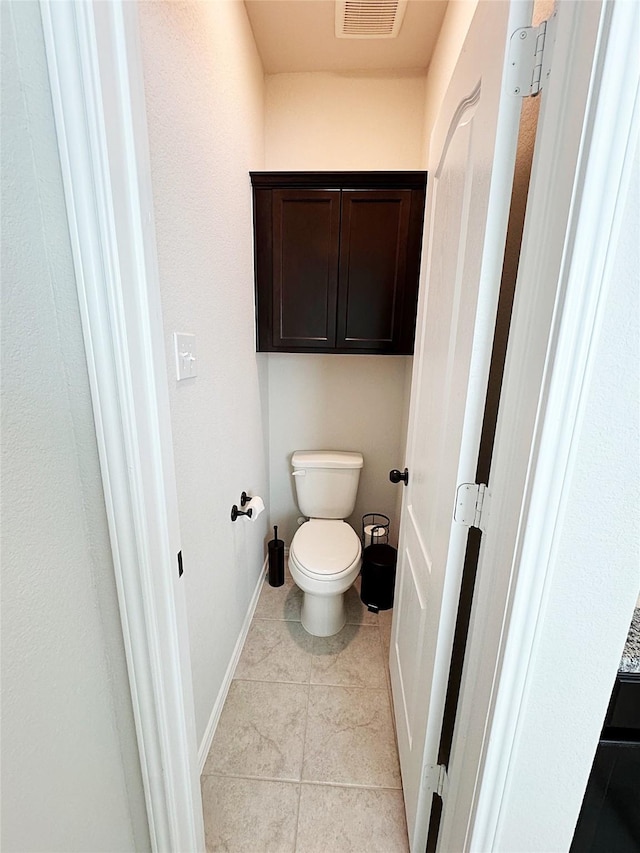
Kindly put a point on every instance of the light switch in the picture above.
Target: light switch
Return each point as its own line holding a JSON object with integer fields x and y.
{"x": 185, "y": 349}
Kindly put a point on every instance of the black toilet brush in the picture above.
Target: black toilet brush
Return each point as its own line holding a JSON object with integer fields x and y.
{"x": 276, "y": 560}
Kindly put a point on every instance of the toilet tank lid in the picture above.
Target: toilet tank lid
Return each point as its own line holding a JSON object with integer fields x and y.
{"x": 326, "y": 459}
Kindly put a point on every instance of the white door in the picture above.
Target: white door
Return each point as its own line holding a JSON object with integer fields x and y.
{"x": 469, "y": 191}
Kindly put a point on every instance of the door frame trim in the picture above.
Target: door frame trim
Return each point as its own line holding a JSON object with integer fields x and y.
{"x": 582, "y": 165}
{"x": 95, "y": 68}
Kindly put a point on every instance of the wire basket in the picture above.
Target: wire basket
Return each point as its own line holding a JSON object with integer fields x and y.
{"x": 375, "y": 529}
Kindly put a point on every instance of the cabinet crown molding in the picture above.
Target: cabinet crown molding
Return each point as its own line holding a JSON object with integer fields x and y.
{"x": 339, "y": 180}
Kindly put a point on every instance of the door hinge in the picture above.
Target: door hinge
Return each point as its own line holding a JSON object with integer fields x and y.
{"x": 529, "y": 59}
{"x": 472, "y": 505}
{"x": 435, "y": 779}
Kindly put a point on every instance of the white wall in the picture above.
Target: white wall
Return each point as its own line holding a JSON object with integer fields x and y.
{"x": 326, "y": 121}
{"x": 597, "y": 564}
{"x": 454, "y": 30}
{"x": 205, "y": 100}
{"x": 70, "y": 769}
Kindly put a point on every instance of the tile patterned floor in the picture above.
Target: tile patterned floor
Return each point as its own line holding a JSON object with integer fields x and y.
{"x": 304, "y": 759}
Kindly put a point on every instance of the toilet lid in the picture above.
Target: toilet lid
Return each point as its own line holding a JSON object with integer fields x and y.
{"x": 325, "y": 547}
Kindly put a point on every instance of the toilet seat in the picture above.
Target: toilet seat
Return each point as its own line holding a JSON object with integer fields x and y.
{"x": 325, "y": 549}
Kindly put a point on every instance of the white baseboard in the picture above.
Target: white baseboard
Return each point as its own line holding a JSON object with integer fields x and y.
{"x": 207, "y": 739}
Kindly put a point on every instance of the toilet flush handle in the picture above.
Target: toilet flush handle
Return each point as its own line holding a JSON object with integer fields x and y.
{"x": 299, "y": 473}
{"x": 395, "y": 476}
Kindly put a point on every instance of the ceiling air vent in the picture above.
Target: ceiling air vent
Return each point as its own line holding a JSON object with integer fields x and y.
{"x": 369, "y": 19}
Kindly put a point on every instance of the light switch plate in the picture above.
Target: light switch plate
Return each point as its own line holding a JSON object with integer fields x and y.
{"x": 185, "y": 350}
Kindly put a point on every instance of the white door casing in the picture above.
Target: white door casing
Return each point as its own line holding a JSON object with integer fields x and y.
{"x": 469, "y": 192}
{"x": 95, "y": 69}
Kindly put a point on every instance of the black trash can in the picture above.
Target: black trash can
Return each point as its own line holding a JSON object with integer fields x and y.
{"x": 378, "y": 577}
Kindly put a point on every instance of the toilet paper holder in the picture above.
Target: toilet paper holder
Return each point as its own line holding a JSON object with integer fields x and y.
{"x": 256, "y": 507}
{"x": 235, "y": 512}
{"x": 244, "y": 500}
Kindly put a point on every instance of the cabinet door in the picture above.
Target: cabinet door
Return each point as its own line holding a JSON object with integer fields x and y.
{"x": 306, "y": 238}
{"x": 373, "y": 269}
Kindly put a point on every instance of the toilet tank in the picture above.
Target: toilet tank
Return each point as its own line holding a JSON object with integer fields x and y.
{"x": 326, "y": 482}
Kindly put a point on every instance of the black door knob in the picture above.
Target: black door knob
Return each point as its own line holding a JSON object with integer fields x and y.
{"x": 395, "y": 476}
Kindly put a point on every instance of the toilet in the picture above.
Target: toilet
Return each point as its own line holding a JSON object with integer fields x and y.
{"x": 325, "y": 552}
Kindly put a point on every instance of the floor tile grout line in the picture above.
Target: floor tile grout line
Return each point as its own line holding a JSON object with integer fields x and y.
{"x": 383, "y": 689}
{"x": 358, "y": 785}
{"x": 350, "y": 621}
{"x": 307, "y": 782}
{"x": 304, "y": 749}
{"x": 297, "y": 822}
{"x": 276, "y": 619}
{"x": 219, "y": 775}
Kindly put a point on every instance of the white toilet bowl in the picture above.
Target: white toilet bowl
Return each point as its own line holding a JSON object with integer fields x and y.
{"x": 324, "y": 561}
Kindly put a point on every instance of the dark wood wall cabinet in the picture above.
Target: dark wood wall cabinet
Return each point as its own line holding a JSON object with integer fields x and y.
{"x": 337, "y": 260}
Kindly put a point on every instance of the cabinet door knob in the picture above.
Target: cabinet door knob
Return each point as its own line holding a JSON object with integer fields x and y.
{"x": 395, "y": 476}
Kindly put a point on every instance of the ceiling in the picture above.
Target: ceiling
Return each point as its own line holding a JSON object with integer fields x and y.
{"x": 298, "y": 35}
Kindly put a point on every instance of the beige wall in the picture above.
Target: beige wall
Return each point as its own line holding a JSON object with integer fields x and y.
{"x": 205, "y": 100}
{"x": 323, "y": 121}
{"x": 71, "y": 776}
